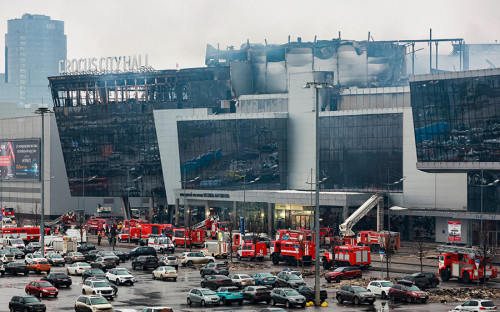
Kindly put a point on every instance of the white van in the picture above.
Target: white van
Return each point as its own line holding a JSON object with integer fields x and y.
{"x": 161, "y": 243}
{"x": 13, "y": 242}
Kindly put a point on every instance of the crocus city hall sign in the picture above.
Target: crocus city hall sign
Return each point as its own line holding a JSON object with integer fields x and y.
{"x": 113, "y": 64}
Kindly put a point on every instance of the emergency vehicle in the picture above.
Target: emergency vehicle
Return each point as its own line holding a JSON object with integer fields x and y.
{"x": 347, "y": 255}
{"x": 252, "y": 251}
{"x": 235, "y": 238}
{"x": 95, "y": 224}
{"x": 215, "y": 249}
{"x": 465, "y": 264}
{"x": 8, "y": 212}
{"x": 379, "y": 239}
{"x": 161, "y": 243}
{"x": 27, "y": 233}
{"x": 292, "y": 247}
{"x": 195, "y": 238}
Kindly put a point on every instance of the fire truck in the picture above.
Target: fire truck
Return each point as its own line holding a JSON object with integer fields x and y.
{"x": 292, "y": 246}
{"x": 379, "y": 239}
{"x": 196, "y": 237}
{"x": 96, "y": 224}
{"x": 27, "y": 233}
{"x": 465, "y": 264}
{"x": 8, "y": 212}
{"x": 347, "y": 255}
{"x": 252, "y": 251}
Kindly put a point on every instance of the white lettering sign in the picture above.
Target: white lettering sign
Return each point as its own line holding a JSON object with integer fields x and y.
{"x": 114, "y": 64}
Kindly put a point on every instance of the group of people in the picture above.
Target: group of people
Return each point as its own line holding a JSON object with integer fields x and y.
{"x": 110, "y": 233}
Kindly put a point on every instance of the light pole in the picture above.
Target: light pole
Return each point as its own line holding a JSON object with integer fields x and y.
{"x": 42, "y": 111}
{"x": 187, "y": 213}
{"x": 482, "y": 186}
{"x": 388, "y": 246}
{"x": 317, "y": 86}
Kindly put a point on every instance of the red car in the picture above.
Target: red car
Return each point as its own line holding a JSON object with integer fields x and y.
{"x": 342, "y": 273}
{"x": 407, "y": 293}
{"x": 41, "y": 289}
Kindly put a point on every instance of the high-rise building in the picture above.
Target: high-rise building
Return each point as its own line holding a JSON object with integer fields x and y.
{"x": 34, "y": 44}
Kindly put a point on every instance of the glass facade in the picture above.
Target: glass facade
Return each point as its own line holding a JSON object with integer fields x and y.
{"x": 457, "y": 120}
{"x": 107, "y": 130}
{"x": 361, "y": 152}
{"x": 491, "y": 192}
{"x": 233, "y": 153}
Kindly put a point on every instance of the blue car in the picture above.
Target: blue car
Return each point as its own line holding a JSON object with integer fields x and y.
{"x": 229, "y": 295}
{"x": 265, "y": 279}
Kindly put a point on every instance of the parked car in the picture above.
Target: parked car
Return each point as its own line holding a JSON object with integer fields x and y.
{"x": 432, "y": 278}
{"x": 26, "y": 303}
{"x": 6, "y": 256}
{"x": 407, "y": 293}
{"x": 272, "y": 310}
{"x": 120, "y": 276}
{"x": 380, "y": 288}
{"x": 77, "y": 268}
{"x": 217, "y": 268}
{"x": 93, "y": 273}
{"x": 91, "y": 255}
{"x": 31, "y": 248}
{"x": 56, "y": 259}
{"x": 287, "y": 296}
{"x": 121, "y": 255}
{"x": 170, "y": 261}
{"x": 110, "y": 255}
{"x": 142, "y": 251}
{"x": 420, "y": 282}
{"x": 342, "y": 273}
{"x": 229, "y": 295}
{"x": 41, "y": 289}
{"x": 74, "y": 257}
{"x": 156, "y": 309}
{"x": 191, "y": 258}
{"x": 203, "y": 296}
{"x": 310, "y": 294}
{"x": 104, "y": 263}
{"x": 58, "y": 279}
{"x": 16, "y": 268}
{"x": 38, "y": 266}
{"x": 145, "y": 262}
{"x": 355, "y": 294}
{"x": 256, "y": 294}
{"x": 18, "y": 253}
{"x": 264, "y": 279}
{"x": 289, "y": 280}
{"x": 476, "y": 305}
{"x": 290, "y": 271}
{"x": 98, "y": 287}
{"x": 215, "y": 281}
{"x": 32, "y": 257}
{"x": 165, "y": 272}
{"x": 106, "y": 280}
{"x": 85, "y": 247}
{"x": 242, "y": 280}
{"x": 92, "y": 303}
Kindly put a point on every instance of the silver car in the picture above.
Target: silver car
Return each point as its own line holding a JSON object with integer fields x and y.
{"x": 203, "y": 296}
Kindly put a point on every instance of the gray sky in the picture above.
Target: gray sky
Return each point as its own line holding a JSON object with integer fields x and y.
{"x": 177, "y": 31}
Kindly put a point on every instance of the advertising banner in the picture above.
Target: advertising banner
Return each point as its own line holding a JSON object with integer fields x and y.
{"x": 20, "y": 159}
{"x": 454, "y": 231}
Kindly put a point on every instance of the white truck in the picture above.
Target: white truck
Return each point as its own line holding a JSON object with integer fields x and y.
{"x": 216, "y": 249}
{"x": 77, "y": 235}
{"x": 161, "y": 244}
{"x": 64, "y": 245}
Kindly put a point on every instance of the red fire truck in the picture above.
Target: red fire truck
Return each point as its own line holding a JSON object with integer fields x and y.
{"x": 292, "y": 251}
{"x": 252, "y": 251}
{"x": 465, "y": 264}
{"x": 347, "y": 255}
{"x": 378, "y": 239}
{"x": 8, "y": 212}
{"x": 96, "y": 224}
{"x": 196, "y": 238}
{"x": 27, "y": 233}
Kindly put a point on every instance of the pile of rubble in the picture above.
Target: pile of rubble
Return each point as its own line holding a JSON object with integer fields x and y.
{"x": 247, "y": 265}
{"x": 463, "y": 294}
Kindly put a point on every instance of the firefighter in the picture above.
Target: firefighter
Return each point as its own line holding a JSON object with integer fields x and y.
{"x": 99, "y": 237}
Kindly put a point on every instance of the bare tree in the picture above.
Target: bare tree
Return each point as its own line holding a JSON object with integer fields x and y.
{"x": 488, "y": 251}
{"x": 230, "y": 229}
{"x": 389, "y": 248}
{"x": 420, "y": 250}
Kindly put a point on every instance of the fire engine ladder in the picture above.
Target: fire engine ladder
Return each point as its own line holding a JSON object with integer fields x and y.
{"x": 199, "y": 225}
{"x": 375, "y": 200}
{"x": 56, "y": 221}
{"x": 472, "y": 252}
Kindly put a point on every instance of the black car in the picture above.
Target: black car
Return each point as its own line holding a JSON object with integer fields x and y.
{"x": 91, "y": 255}
{"x": 58, "y": 279}
{"x": 214, "y": 268}
{"x": 145, "y": 262}
{"x": 256, "y": 294}
{"x": 93, "y": 273}
{"x": 309, "y": 293}
{"x": 355, "y": 294}
{"x": 121, "y": 255}
{"x": 142, "y": 251}
{"x": 432, "y": 278}
{"x": 215, "y": 281}
{"x": 16, "y": 268}
{"x": 104, "y": 263}
{"x": 420, "y": 282}
{"x": 85, "y": 247}
{"x": 108, "y": 254}
{"x": 18, "y": 253}
{"x": 289, "y": 280}
{"x": 26, "y": 303}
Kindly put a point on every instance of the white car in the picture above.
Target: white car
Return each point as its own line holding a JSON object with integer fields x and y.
{"x": 242, "y": 280}
{"x": 56, "y": 259}
{"x": 165, "y": 272}
{"x": 98, "y": 287}
{"x": 170, "y": 261}
{"x": 380, "y": 288}
{"x": 476, "y": 305}
{"x": 29, "y": 258}
{"x": 190, "y": 258}
{"x": 120, "y": 276}
{"x": 6, "y": 256}
{"x": 157, "y": 309}
{"x": 291, "y": 271}
{"x": 77, "y": 268}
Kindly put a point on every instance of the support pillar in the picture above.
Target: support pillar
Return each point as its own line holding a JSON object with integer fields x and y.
{"x": 151, "y": 209}
{"x": 235, "y": 216}
{"x": 187, "y": 216}
{"x": 177, "y": 211}
{"x": 345, "y": 213}
{"x": 207, "y": 210}
{"x": 380, "y": 215}
{"x": 270, "y": 222}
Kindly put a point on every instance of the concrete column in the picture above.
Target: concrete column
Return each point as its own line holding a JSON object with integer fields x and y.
{"x": 207, "y": 209}
{"x": 345, "y": 213}
{"x": 235, "y": 216}
{"x": 151, "y": 209}
{"x": 177, "y": 211}
{"x": 187, "y": 216}
{"x": 270, "y": 223}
